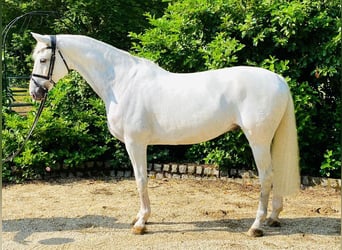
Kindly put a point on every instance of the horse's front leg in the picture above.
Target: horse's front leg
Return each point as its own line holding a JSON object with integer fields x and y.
{"x": 137, "y": 154}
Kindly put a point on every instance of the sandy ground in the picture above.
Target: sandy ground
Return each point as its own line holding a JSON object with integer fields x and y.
{"x": 186, "y": 214}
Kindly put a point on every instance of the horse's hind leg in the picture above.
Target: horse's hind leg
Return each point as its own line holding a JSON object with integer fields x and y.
{"x": 137, "y": 154}
{"x": 277, "y": 207}
{"x": 262, "y": 156}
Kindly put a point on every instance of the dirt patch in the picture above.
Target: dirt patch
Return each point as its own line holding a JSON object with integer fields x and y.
{"x": 186, "y": 214}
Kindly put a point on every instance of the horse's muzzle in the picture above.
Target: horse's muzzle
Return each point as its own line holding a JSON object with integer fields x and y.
{"x": 37, "y": 92}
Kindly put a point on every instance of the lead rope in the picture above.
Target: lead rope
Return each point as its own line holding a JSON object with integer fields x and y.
{"x": 40, "y": 110}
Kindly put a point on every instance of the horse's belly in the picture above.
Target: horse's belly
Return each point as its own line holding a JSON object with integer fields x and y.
{"x": 186, "y": 137}
{"x": 191, "y": 131}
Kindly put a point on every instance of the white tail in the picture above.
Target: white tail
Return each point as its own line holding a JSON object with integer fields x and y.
{"x": 285, "y": 154}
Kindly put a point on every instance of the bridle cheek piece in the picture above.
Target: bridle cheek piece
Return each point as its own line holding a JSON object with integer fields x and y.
{"x": 51, "y": 66}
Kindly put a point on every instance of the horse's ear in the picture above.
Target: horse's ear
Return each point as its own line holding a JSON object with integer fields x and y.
{"x": 41, "y": 38}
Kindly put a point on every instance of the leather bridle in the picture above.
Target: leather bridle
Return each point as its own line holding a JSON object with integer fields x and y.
{"x": 48, "y": 77}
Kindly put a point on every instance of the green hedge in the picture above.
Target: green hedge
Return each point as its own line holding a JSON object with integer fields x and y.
{"x": 72, "y": 130}
{"x": 73, "y": 126}
{"x": 299, "y": 39}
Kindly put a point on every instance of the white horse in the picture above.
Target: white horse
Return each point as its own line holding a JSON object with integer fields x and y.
{"x": 147, "y": 105}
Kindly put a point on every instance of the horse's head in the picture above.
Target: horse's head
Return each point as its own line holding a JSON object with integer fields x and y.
{"x": 48, "y": 68}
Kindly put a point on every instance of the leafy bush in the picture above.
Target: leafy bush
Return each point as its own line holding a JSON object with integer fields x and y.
{"x": 298, "y": 39}
{"x": 228, "y": 151}
{"x": 72, "y": 130}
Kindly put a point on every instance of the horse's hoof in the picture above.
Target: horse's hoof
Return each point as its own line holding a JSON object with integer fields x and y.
{"x": 138, "y": 230}
{"x": 255, "y": 232}
{"x": 273, "y": 223}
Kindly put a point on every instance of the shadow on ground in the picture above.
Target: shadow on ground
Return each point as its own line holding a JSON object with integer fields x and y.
{"x": 26, "y": 227}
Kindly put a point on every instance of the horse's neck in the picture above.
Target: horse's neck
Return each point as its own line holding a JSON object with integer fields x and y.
{"x": 105, "y": 68}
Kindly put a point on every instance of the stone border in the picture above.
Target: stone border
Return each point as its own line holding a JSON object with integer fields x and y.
{"x": 325, "y": 182}
{"x": 182, "y": 171}
{"x": 176, "y": 171}
{"x": 192, "y": 171}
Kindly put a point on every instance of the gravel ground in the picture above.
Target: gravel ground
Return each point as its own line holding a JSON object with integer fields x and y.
{"x": 186, "y": 214}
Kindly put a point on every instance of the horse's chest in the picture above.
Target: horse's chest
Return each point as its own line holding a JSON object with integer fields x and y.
{"x": 115, "y": 122}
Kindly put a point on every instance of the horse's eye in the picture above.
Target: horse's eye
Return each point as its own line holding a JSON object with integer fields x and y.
{"x": 42, "y": 60}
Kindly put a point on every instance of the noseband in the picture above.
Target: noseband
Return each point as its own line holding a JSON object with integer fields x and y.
{"x": 51, "y": 66}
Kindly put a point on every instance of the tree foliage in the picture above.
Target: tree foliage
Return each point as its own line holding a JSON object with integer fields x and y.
{"x": 298, "y": 39}
{"x": 72, "y": 128}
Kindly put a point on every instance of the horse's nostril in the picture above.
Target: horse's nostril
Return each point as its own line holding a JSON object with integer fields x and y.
{"x": 33, "y": 95}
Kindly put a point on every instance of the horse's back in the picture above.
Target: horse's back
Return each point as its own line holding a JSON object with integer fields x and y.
{"x": 190, "y": 108}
